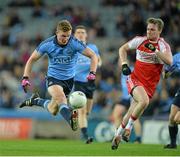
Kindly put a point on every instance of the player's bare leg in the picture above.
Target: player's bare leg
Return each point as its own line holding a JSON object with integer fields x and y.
{"x": 142, "y": 99}
{"x": 122, "y": 131}
{"x": 83, "y": 121}
{"x": 177, "y": 118}
{"x": 59, "y": 104}
{"x": 57, "y": 97}
{"x": 118, "y": 134}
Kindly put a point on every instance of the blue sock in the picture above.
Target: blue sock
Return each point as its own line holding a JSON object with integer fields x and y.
{"x": 41, "y": 102}
{"x": 65, "y": 112}
{"x": 138, "y": 139}
{"x": 84, "y": 132}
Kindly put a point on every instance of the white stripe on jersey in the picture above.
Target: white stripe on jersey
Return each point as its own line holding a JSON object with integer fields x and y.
{"x": 144, "y": 56}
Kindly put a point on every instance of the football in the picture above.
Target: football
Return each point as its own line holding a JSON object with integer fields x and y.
{"x": 77, "y": 99}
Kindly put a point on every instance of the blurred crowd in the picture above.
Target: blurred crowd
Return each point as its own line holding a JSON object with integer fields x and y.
{"x": 16, "y": 46}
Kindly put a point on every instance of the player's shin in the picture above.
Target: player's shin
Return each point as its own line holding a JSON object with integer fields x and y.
{"x": 130, "y": 122}
{"x": 65, "y": 112}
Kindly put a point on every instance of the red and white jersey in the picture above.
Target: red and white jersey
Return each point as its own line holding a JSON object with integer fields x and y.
{"x": 148, "y": 66}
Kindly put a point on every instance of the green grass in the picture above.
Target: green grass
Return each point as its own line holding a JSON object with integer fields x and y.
{"x": 78, "y": 148}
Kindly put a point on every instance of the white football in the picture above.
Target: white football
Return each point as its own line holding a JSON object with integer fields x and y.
{"x": 77, "y": 99}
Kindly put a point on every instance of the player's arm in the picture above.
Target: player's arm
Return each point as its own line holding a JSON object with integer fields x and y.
{"x": 94, "y": 59}
{"x": 94, "y": 62}
{"x": 165, "y": 56}
{"x": 123, "y": 59}
{"x": 28, "y": 67}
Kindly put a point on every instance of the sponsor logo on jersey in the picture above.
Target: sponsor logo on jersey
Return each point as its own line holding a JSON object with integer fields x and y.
{"x": 63, "y": 59}
{"x": 148, "y": 57}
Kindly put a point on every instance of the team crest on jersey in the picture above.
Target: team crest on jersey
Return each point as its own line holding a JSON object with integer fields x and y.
{"x": 67, "y": 51}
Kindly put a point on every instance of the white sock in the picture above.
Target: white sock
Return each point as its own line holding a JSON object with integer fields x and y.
{"x": 120, "y": 130}
{"x": 130, "y": 124}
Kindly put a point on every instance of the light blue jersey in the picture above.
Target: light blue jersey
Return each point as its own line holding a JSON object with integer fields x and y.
{"x": 83, "y": 65}
{"x": 176, "y": 64}
{"x": 62, "y": 59}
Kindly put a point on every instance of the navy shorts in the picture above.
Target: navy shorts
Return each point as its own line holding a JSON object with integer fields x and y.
{"x": 87, "y": 88}
{"x": 67, "y": 85}
{"x": 176, "y": 100}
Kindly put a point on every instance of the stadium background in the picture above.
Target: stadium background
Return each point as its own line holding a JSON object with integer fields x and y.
{"x": 25, "y": 23}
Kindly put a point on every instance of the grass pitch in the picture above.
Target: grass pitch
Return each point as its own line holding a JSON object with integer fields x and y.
{"x": 78, "y": 148}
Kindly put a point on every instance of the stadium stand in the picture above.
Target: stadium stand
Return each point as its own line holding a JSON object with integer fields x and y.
{"x": 24, "y": 24}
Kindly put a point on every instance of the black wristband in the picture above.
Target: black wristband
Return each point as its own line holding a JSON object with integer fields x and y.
{"x": 25, "y": 77}
{"x": 92, "y": 72}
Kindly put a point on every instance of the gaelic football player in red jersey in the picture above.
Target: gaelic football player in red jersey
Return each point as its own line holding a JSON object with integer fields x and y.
{"x": 152, "y": 52}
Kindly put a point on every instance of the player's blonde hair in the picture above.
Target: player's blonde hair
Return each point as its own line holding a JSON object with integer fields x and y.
{"x": 156, "y": 21}
{"x": 64, "y": 25}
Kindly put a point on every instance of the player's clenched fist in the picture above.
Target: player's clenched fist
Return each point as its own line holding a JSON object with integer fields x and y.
{"x": 91, "y": 76}
{"x": 25, "y": 83}
{"x": 126, "y": 70}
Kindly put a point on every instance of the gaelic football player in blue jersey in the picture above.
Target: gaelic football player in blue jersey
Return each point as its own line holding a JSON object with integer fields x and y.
{"x": 81, "y": 83}
{"x": 62, "y": 50}
{"x": 174, "y": 117}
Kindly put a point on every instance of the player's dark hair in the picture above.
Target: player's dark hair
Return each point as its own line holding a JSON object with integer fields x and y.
{"x": 157, "y": 21}
{"x": 80, "y": 27}
{"x": 64, "y": 25}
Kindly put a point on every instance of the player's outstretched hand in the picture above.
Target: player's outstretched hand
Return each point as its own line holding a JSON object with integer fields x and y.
{"x": 150, "y": 46}
{"x": 91, "y": 77}
{"x": 25, "y": 83}
{"x": 126, "y": 70}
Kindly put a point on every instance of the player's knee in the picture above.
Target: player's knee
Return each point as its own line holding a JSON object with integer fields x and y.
{"x": 144, "y": 103}
{"x": 171, "y": 118}
{"x": 53, "y": 108}
{"x": 59, "y": 98}
{"x": 177, "y": 118}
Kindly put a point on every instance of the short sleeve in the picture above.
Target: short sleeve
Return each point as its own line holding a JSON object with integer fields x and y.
{"x": 78, "y": 45}
{"x": 135, "y": 42}
{"x": 94, "y": 49}
{"x": 42, "y": 48}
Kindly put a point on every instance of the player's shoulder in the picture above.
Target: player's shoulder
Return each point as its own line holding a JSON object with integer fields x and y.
{"x": 163, "y": 43}
{"x": 48, "y": 40}
{"x": 74, "y": 40}
{"x": 91, "y": 45}
{"x": 162, "y": 40}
